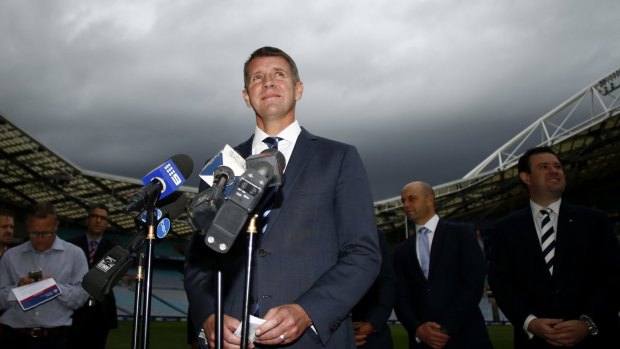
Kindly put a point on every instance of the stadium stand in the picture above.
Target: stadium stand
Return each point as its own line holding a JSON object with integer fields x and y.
{"x": 584, "y": 130}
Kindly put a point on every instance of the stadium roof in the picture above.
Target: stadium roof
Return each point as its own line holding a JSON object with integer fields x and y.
{"x": 30, "y": 172}
{"x": 584, "y": 130}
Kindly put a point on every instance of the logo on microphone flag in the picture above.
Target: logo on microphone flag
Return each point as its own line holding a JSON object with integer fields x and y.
{"x": 227, "y": 157}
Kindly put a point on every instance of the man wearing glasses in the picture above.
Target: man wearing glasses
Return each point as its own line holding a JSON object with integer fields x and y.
{"x": 93, "y": 321}
{"x": 44, "y": 256}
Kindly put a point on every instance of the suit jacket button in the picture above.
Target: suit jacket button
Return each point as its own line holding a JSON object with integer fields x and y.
{"x": 262, "y": 252}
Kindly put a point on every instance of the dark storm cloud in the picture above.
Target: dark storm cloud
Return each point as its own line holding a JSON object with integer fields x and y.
{"x": 425, "y": 89}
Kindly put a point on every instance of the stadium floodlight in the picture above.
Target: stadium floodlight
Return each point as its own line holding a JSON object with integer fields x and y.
{"x": 609, "y": 83}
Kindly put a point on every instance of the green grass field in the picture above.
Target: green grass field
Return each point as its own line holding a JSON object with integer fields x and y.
{"x": 167, "y": 335}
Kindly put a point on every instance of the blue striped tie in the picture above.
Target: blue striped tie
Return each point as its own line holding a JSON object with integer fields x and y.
{"x": 547, "y": 240}
{"x": 272, "y": 143}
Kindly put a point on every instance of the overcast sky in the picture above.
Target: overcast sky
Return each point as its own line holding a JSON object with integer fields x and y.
{"x": 426, "y": 90}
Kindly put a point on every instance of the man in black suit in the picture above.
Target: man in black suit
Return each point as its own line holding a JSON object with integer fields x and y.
{"x": 93, "y": 321}
{"x": 371, "y": 313}
{"x": 555, "y": 267}
{"x": 439, "y": 278}
{"x": 319, "y": 251}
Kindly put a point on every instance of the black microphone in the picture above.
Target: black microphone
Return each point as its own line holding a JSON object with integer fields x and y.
{"x": 269, "y": 163}
{"x": 100, "y": 280}
{"x": 161, "y": 182}
{"x": 264, "y": 170}
{"x": 219, "y": 175}
{"x": 172, "y": 207}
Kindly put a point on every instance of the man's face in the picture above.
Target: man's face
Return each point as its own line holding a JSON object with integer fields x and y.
{"x": 546, "y": 179}
{"x": 97, "y": 221}
{"x": 7, "y": 227}
{"x": 416, "y": 205}
{"x": 271, "y": 91}
{"x": 42, "y": 232}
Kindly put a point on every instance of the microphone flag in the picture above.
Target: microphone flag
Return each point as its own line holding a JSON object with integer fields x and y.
{"x": 226, "y": 157}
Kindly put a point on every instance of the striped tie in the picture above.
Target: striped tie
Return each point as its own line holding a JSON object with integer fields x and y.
{"x": 548, "y": 239}
{"x": 91, "y": 252}
{"x": 272, "y": 143}
{"x": 424, "y": 250}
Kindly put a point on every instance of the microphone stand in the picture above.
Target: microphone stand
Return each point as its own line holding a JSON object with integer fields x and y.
{"x": 246, "y": 293}
{"x": 137, "y": 303}
{"x": 143, "y": 289}
{"x": 219, "y": 315}
{"x": 151, "y": 227}
{"x": 248, "y": 278}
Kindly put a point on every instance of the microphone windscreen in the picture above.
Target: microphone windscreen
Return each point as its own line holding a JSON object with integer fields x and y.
{"x": 269, "y": 163}
{"x": 176, "y": 208}
{"x": 227, "y": 157}
{"x": 184, "y": 163}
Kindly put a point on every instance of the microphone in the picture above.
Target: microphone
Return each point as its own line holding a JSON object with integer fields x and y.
{"x": 220, "y": 174}
{"x": 226, "y": 158}
{"x": 101, "y": 279}
{"x": 170, "y": 213}
{"x": 264, "y": 170}
{"x": 269, "y": 163}
{"x": 161, "y": 182}
{"x": 175, "y": 205}
{"x": 105, "y": 274}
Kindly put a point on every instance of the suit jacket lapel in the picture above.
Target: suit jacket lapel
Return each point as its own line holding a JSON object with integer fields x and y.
{"x": 245, "y": 149}
{"x": 305, "y": 147}
{"x": 564, "y": 229}
{"x": 531, "y": 241}
{"x": 436, "y": 247}
{"x": 413, "y": 255}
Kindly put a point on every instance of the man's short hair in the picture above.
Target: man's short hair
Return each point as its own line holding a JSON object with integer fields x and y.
{"x": 269, "y": 51}
{"x": 524, "y": 164}
{"x": 41, "y": 210}
{"x": 6, "y": 213}
{"x": 99, "y": 206}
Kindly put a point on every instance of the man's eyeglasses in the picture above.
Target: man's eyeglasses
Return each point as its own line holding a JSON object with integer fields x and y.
{"x": 42, "y": 235}
{"x": 96, "y": 216}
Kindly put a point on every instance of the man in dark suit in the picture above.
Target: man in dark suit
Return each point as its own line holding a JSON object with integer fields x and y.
{"x": 93, "y": 321}
{"x": 439, "y": 278}
{"x": 555, "y": 267}
{"x": 319, "y": 253}
{"x": 371, "y": 313}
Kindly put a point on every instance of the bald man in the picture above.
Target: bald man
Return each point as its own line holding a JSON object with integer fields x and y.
{"x": 439, "y": 278}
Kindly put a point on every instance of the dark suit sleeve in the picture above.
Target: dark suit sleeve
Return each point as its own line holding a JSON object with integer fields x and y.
{"x": 501, "y": 278}
{"x": 198, "y": 275}
{"x": 199, "y": 278}
{"x": 403, "y": 305}
{"x": 376, "y": 305}
{"x": 471, "y": 279}
{"x": 380, "y": 310}
{"x": 606, "y": 267}
{"x": 331, "y": 298}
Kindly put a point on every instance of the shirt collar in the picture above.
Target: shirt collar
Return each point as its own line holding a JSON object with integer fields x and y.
{"x": 431, "y": 224}
{"x": 289, "y": 134}
{"x": 57, "y": 245}
{"x": 554, "y": 206}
